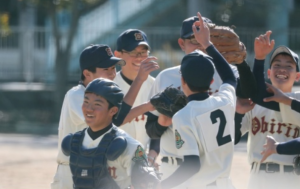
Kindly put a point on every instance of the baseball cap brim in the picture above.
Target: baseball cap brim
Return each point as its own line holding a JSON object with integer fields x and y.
{"x": 132, "y": 46}
{"x": 284, "y": 49}
{"x": 186, "y": 36}
{"x": 111, "y": 62}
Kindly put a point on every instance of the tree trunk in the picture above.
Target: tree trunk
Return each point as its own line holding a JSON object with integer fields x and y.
{"x": 61, "y": 82}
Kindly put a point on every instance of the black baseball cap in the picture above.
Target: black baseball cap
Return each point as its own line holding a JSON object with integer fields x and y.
{"x": 197, "y": 69}
{"x": 130, "y": 39}
{"x": 284, "y": 49}
{"x": 99, "y": 56}
{"x": 107, "y": 89}
{"x": 186, "y": 28}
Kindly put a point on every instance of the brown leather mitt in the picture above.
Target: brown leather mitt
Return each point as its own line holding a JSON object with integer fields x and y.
{"x": 228, "y": 43}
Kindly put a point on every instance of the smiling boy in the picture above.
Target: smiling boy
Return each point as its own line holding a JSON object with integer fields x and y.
{"x": 102, "y": 156}
{"x": 277, "y": 170}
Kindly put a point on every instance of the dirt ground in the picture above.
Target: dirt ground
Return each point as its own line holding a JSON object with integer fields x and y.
{"x": 28, "y": 162}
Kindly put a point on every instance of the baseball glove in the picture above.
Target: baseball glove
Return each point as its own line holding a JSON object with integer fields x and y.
{"x": 169, "y": 101}
{"x": 227, "y": 42}
{"x": 143, "y": 176}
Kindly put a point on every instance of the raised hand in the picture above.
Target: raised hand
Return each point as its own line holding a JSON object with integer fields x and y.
{"x": 269, "y": 148}
{"x": 201, "y": 32}
{"x": 263, "y": 46}
{"x": 147, "y": 66}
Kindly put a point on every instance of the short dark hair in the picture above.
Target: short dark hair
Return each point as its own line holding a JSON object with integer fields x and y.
{"x": 91, "y": 69}
{"x": 197, "y": 89}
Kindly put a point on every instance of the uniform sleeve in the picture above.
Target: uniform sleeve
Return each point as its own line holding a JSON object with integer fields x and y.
{"x": 246, "y": 123}
{"x": 258, "y": 72}
{"x": 129, "y": 155}
{"x": 291, "y": 147}
{"x": 75, "y": 103}
{"x": 185, "y": 139}
{"x": 124, "y": 110}
{"x": 227, "y": 91}
{"x": 153, "y": 128}
{"x": 237, "y": 127}
{"x": 246, "y": 87}
{"x": 291, "y": 114}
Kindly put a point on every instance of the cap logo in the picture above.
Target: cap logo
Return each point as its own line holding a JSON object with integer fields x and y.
{"x": 138, "y": 37}
{"x": 108, "y": 50}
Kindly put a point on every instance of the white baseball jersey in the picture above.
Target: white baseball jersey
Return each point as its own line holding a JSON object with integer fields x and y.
{"x": 260, "y": 122}
{"x": 283, "y": 126}
{"x": 119, "y": 169}
{"x": 136, "y": 128}
{"x": 71, "y": 118}
{"x": 289, "y": 115}
{"x": 206, "y": 129}
{"x": 71, "y": 121}
{"x": 166, "y": 78}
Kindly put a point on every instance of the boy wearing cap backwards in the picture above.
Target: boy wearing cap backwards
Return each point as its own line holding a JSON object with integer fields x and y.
{"x": 283, "y": 124}
{"x": 133, "y": 47}
{"x": 95, "y": 61}
{"x": 204, "y": 128}
{"x": 101, "y": 156}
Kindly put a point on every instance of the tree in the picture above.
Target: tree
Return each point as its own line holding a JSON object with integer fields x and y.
{"x": 76, "y": 8}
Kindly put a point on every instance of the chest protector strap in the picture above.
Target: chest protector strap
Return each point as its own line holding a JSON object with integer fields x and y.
{"x": 89, "y": 166}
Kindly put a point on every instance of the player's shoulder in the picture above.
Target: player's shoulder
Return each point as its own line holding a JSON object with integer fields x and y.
{"x": 183, "y": 114}
{"x": 76, "y": 91}
{"x": 150, "y": 80}
{"x": 130, "y": 140}
{"x": 169, "y": 71}
{"x": 118, "y": 77}
{"x": 226, "y": 94}
{"x": 227, "y": 87}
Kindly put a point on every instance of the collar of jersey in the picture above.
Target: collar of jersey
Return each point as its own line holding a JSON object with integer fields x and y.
{"x": 198, "y": 96}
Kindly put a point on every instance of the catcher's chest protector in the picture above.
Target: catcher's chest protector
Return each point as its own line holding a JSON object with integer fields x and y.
{"x": 89, "y": 166}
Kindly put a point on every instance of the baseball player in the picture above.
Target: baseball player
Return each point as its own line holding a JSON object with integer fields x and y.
{"x": 133, "y": 47}
{"x": 95, "y": 61}
{"x": 277, "y": 171}
{"x": 101, "y": 156}
{"x": 158, "y": 125}
{"x": 204, "y": 128}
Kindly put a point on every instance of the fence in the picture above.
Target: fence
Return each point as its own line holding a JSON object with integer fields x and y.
{"x": 25, "y": 55}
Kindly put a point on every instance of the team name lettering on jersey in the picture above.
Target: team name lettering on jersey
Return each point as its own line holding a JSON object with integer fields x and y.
{"x": 260, "y": 125}
{"x": 112, "y": 172}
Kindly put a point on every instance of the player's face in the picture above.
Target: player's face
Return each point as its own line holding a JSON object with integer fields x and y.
{"x": 107, "y": 73}
{"x": 96, "y": 112}
{"x": 133, "y": 59}
{"x": 189, "y": 45}
{"x": 283, "y": 72}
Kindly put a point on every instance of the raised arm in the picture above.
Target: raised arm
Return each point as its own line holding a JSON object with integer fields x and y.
{"x": 262, "y": 47}
{"x": 147, "y": 66}
{"x": 201, "y": 32}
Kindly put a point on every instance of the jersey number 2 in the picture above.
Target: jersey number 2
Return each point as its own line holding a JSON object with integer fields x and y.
{"x": 220, "y": 114}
